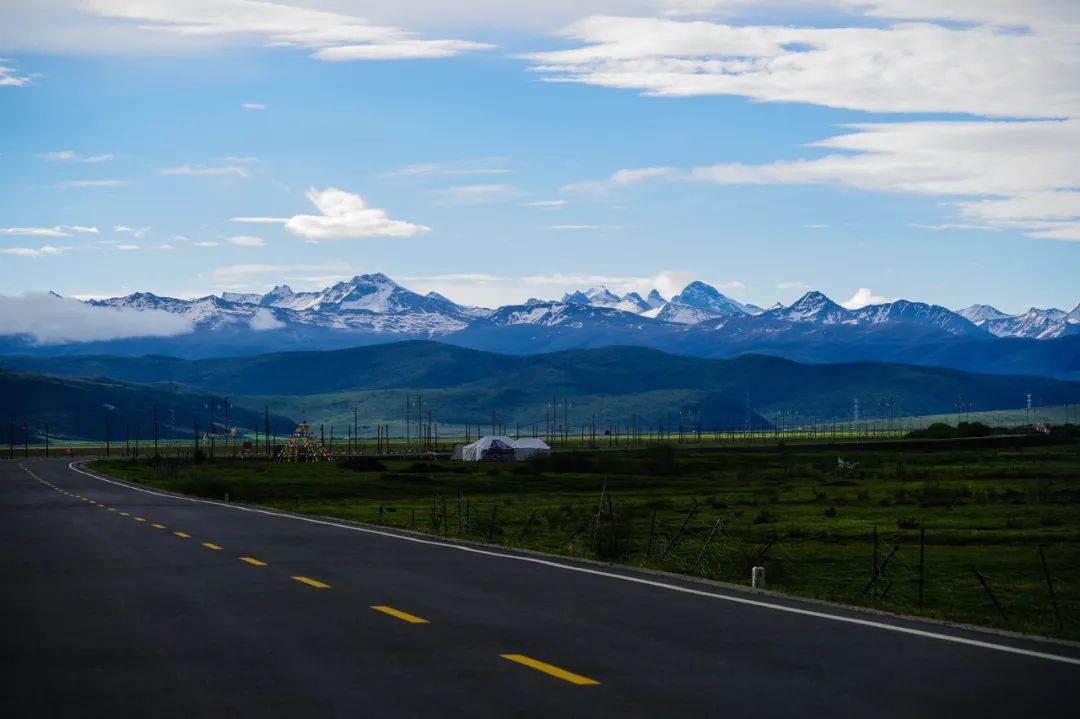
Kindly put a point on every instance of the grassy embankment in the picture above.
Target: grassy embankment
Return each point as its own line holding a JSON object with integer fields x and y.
{"x": 790, "y": 509}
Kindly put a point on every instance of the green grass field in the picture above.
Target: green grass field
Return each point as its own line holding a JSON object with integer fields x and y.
{"x": 790, "y": 509}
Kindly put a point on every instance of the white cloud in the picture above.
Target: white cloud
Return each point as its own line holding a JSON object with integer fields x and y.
{"x": 206, "y": 243}
{"x": 246, "y": 241}
{"x": 49, "y": 319}
{"x": 134, "y": 231}
{"x": 862, "y": 298}
{"x": 547, "y": 204}
{"x": 1017, "y": 168}
{"x": 72, "y": 156}
{"x": 264, "y": 319}
{"x": 793, "y": 286}
{"x": 622, "y": 178}
{"x": 400, "y": 50}
{"x": 207, "y": 170}
{"x": 254, "y": 106}
{"x": 128, "y": 248}
{"x": 34, "y": 231}
{"x": 489, "y": 290}
{"x": 76, "y": 184}
{"x": 573, "y": 228}
{"x": 346, "y": 216}
{"x": 333, "y": 36}
{"x": 465, "y": 195}
{"x": 484, "y": 166}
{"x": 261, "y": 220}
{"x": 233, "y": 276}
{"x": 1045, "y": 16}
{"x": 9, "y": 78}
{"x": 940, "y": 227}
{"x": 33, "y": 252}
{"x": 907, "y": 67}
{"x": 56, "y": 231}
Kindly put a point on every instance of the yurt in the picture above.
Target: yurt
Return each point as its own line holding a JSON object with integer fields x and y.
{"x": 489, "y": 449}
{"x": 528, "y": 446}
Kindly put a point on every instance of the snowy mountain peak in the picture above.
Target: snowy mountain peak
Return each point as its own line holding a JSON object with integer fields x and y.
{"x": 811, "y": 307}
{"x": 981, "y": 313}
{"x": 376, "y": 304}
{"x": 706, "y": 297}
{"x": 602, "y": 295}
{"x": 655, "y": 299}
{"x": 239, "y": 298}
{"x": 575, "y": 298}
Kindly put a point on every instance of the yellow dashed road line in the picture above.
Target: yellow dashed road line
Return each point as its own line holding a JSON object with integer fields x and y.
{"x": 209, "y": 545}
{"x": 182, "y": 535}
{"x": 550, "y": 669}
{"x": 403, "y": 616}
{"x": 252, "y": 561}
{"x": 139, "y": 519}
{"x": 158, "y": 526}
{"x": 312, "y": 582}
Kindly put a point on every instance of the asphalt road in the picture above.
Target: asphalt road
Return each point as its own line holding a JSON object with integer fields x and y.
{"x": 118, "y": 602}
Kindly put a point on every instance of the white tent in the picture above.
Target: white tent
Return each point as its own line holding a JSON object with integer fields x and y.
{"x": 527, "y": 446}
{"x": 499, "y": 448}
{"x": 489, "y": 448}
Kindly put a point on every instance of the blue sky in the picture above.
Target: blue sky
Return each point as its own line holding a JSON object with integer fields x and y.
{"x": 655, "y": 156}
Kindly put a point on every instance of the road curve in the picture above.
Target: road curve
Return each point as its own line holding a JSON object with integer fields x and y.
{"x": 119, "y": 601}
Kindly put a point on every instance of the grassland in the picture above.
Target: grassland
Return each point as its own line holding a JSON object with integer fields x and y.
{"x": 988, "y": 506}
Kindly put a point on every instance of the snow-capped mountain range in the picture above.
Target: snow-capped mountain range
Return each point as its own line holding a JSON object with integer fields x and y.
{"x": 698, "y": 321}
{"x": 375, "y": 303}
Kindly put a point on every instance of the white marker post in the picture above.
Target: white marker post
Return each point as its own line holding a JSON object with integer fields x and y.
{"x": 757, "y": 577}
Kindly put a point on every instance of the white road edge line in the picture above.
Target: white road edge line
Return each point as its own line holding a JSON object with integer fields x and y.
{"x": 611, "y": 575}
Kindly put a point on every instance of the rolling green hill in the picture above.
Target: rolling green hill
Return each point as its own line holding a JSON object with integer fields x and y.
{"x": 75, "y": 408}
{"x": 615, "y": 384}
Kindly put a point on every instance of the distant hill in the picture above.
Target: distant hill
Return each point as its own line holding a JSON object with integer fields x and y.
{"x": 79, "y": 408}
{"x": 646, "y": 382}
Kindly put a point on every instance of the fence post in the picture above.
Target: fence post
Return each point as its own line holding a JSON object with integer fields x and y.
{"x": 875, "y": 569}
{"x": 652, "y": 530}
{"x": 922, "y": 565}
{"x": 706, "y": 545}
{"x": 614, "y": 536}
{"x": 1050, "y": 587}
{"x": 527, "y": 525}
{"x": 678, "y": 534}
{"x": 982, "y": 580}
